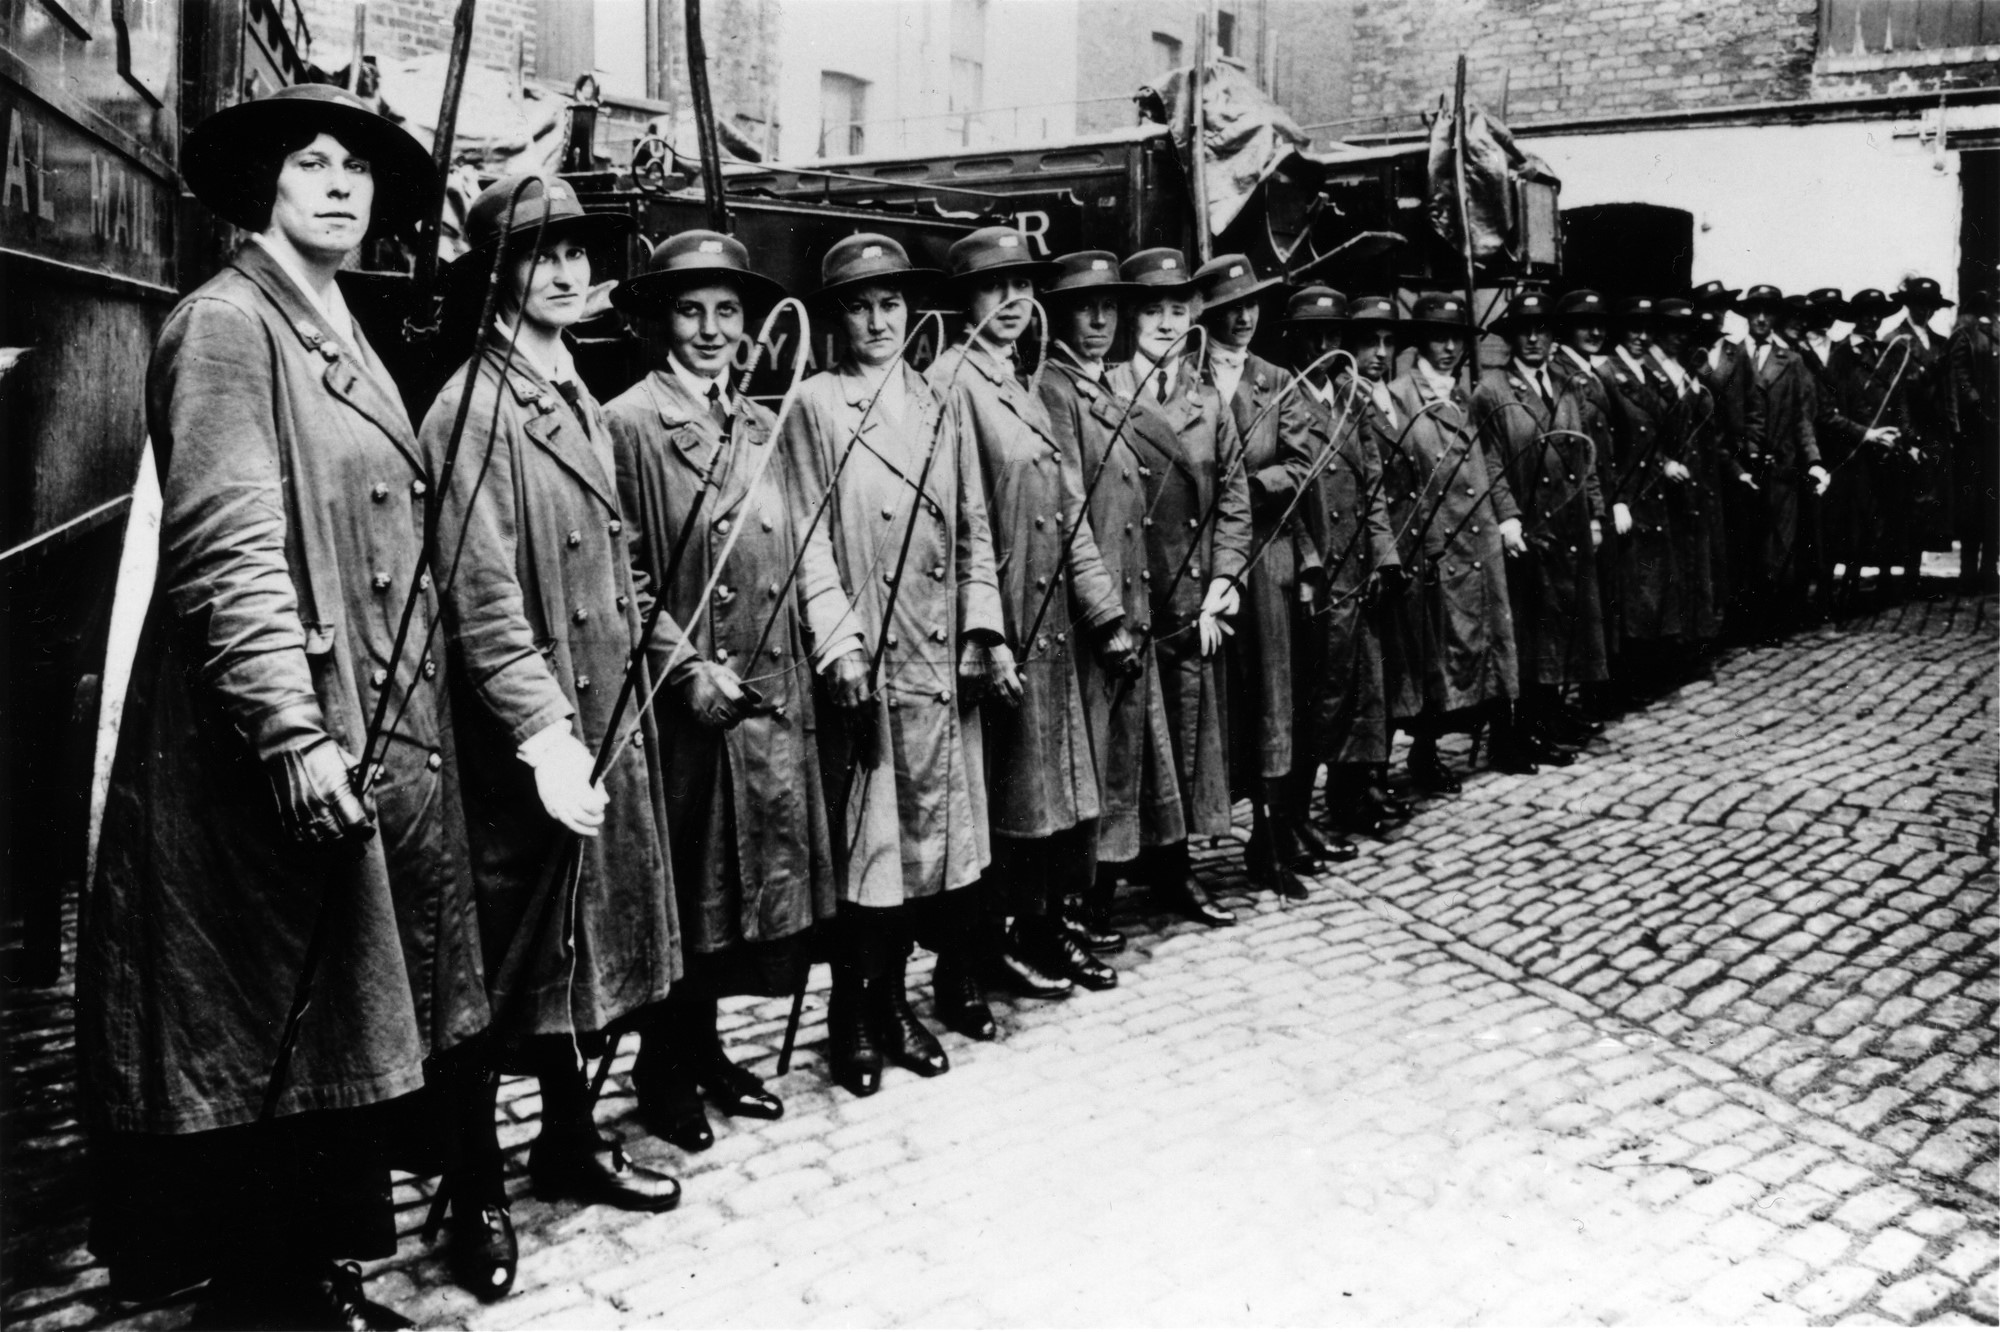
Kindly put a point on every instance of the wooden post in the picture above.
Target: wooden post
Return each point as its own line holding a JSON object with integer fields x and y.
{"x": 360, "y": 44}
{"x": 1197, "y": 168}
{"x": 1465, "y": 229}
{"x": 422, "y": 322}
{"x": 704, "y": 118}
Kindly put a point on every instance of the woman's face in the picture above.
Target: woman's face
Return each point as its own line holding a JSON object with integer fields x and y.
{"x": 1673, "y": 341}
{"x": 875, "y": 319}
{"x": 1156, "y": 324}
{"x": 1317, "y": 340}
{"x": 1635, "y": 339}
{"x": 1089, "y": 324}
{"x": 703, "y": 327}
{"x": 1532, "y": 342}
{"x": 1375, "y": 352}
{"x": 1234, "y": 325}
{"x": 324, "y": 201}
{"x": 1007, "y": 299}
{"x": 549, "y": 288}
{"x": 1586, "y": 336}
{"x": 1442, "y": 350}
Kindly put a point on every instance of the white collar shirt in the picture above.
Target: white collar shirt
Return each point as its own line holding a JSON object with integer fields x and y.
{"x": 332, "y": 307}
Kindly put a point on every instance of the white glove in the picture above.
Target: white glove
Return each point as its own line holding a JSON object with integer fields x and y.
{"x": 1883, "y": 435}
{"x": 1621, "y": 519}
{"x": 1511, "y": 539}
{"x": 1819, "y": 478}
{"x": 1676, "y": 471}
{"x": 562, "y": 779}
{"x": 1223, "y": 599}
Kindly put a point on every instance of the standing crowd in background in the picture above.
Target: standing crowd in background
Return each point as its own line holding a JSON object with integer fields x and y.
{"x": 464, "y": 747}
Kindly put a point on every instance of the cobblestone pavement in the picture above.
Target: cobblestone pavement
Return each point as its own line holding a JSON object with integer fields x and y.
{"x": 1698, "y": 1030}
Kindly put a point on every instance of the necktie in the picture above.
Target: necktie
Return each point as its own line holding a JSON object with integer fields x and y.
{"x": 570, "y": 394}
{"x": 715, "y": 409}
{"x": 1542, "y": 382}
{"x": 1160, "y": 387}
{"x": 1763, "y": 350}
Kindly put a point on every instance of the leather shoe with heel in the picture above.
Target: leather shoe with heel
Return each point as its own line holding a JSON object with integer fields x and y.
{"x": 961, "y": 1003}
{"x": 596, "y": 1170}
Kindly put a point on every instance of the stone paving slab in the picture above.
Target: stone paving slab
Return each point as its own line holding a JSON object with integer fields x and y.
{"x": 1534, "y": 1060}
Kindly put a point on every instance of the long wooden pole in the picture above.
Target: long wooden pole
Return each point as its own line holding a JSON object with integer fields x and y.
{"x": 704, "y": 119}
{"x": 422, "y": 322}
{"x": 1465, "y": 232}
{"x": 1197, "y": 168}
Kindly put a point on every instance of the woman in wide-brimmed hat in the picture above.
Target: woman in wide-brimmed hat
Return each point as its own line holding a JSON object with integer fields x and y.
{"x": 1278, "y": 448}
{"x": 1041, "y": 779}
{"x": 1695, "y": 434}
{"x": 752, "y": 855}
{"x": 1186, "y": 436}
{"x": 291, "y": 534}
{"x": 1127, "y": 718}
{"x": 1864, "y": 512}
{"x": 545, "y": 614}
{"x": 902, "y": 772}
{"x": 1465, "y": 530}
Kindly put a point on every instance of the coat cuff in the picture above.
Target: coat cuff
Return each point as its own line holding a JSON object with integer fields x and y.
{"x": 979, "y": 610}
{"x": 837, "y": 649}
{"x": 286, "y": 727}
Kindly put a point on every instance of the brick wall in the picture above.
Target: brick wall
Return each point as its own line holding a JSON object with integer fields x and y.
{"x": 398, "y": 28}
{"x": 1577, "y": 58}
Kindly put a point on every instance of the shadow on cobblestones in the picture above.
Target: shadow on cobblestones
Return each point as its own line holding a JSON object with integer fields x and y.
{"x": 1699, "y": 1030}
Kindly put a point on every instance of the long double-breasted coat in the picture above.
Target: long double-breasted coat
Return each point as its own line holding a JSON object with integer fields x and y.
{"x": 1274, "y": 428}
{"x": 1846, "y": 509}
{"x": 1701, "y": 536}
{"x": 1401, "y": 621}
{"x": 1931, "y": 420}
{"x": 1343, "y": 714}
{"x": 1778, "y": 448}
{"x": 1191, "y": 455}
{"x": 292, "y": 527}
{"x": 746, "y": 809}
{"x": 1550, "y": 462}
{"x": 1040, "y": 776}
{"x": 544, "y": 616}
{"x": 1470, "y": 625}
{"x": 916, "y": 822}
{"x": 1651, "y": 593}
{"x": 1139, "y": 801}
{"x": 1575, "y": 376}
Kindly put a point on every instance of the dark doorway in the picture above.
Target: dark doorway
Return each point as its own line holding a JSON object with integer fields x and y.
{"x": 1979, "y": 219}
{"x": 1628, "y": 249}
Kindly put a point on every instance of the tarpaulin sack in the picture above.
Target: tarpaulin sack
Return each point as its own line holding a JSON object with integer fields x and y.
{"x": 1493, "y": 165}
{"x": 1244, "y": 134}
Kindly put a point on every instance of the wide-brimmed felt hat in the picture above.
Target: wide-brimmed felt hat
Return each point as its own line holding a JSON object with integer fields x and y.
{"x": 1828, "y": 297}
{"x": 1762, "y": 294}
{"x": 993, "y": 251}
{"x": 1443, "y": 310}
{"x": 224, "y": 159}
{"x": 1526, "y": 307}
{"x": 1798, "y": 306}
{"x": 1229, "y": 279}
{"x": 1372, "y": 311}
{"x": 1674, "y": 310}
{"x": 1708, "y": 326}
{"x": 1086, "y": 273}
{"x": 868, "y": 259}
{"x": 1712, "y": 295}
{"x": 1316, "y": 305}
{"x": 1922, "y": 288}
{"x": 1869, "y": 303}
{"x": 1635, "y": 309}
{"x": 1160, "y": 271}
{"x": 543, "y": 208}
{"x": 692, "y": 259}
{"x": 1583, "y": 303}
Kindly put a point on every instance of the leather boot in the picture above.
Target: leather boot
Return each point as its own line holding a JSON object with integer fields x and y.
{"x": 961, "y": 1003}
{"x": 1046, "y": 942}
{"x": 854, "y": 1059}
{"x": 570, "y": 1159}
{"x": 1313, "y": 845}
{"x": 1274, "y": 859}
{"x": 1512, "y": 752}
{"x": 481, "y": 1249}
{"x": 1427, "y": 769}
{"x": 1174, "y": 881}
{"x": 904, "y": 1038}
{"x": 1091, "y": 923}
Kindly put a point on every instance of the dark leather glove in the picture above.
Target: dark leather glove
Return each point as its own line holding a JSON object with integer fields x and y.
{"x": 1386, "y": 582}
{"x": 317, "y": 802}
{"x": 712, "y": 693}
{"x": 1119, "y": 651}
{"x": 986, "y": 670}
{"x": 847, "y": 680}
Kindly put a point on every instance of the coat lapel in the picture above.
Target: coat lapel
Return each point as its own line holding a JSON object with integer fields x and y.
{"x": 1152, "y": 426}
{"x": 353, "y": 374}
{"x": 549, "y": 423}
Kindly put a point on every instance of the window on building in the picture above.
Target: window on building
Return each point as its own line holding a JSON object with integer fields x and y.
{"x": 1166, "y": 53}
{"x": 966, "y": 97}
{"x": 1884, "y": 34}
{"x": 843, "y": 112}
{"x": 1225, "y": 32}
